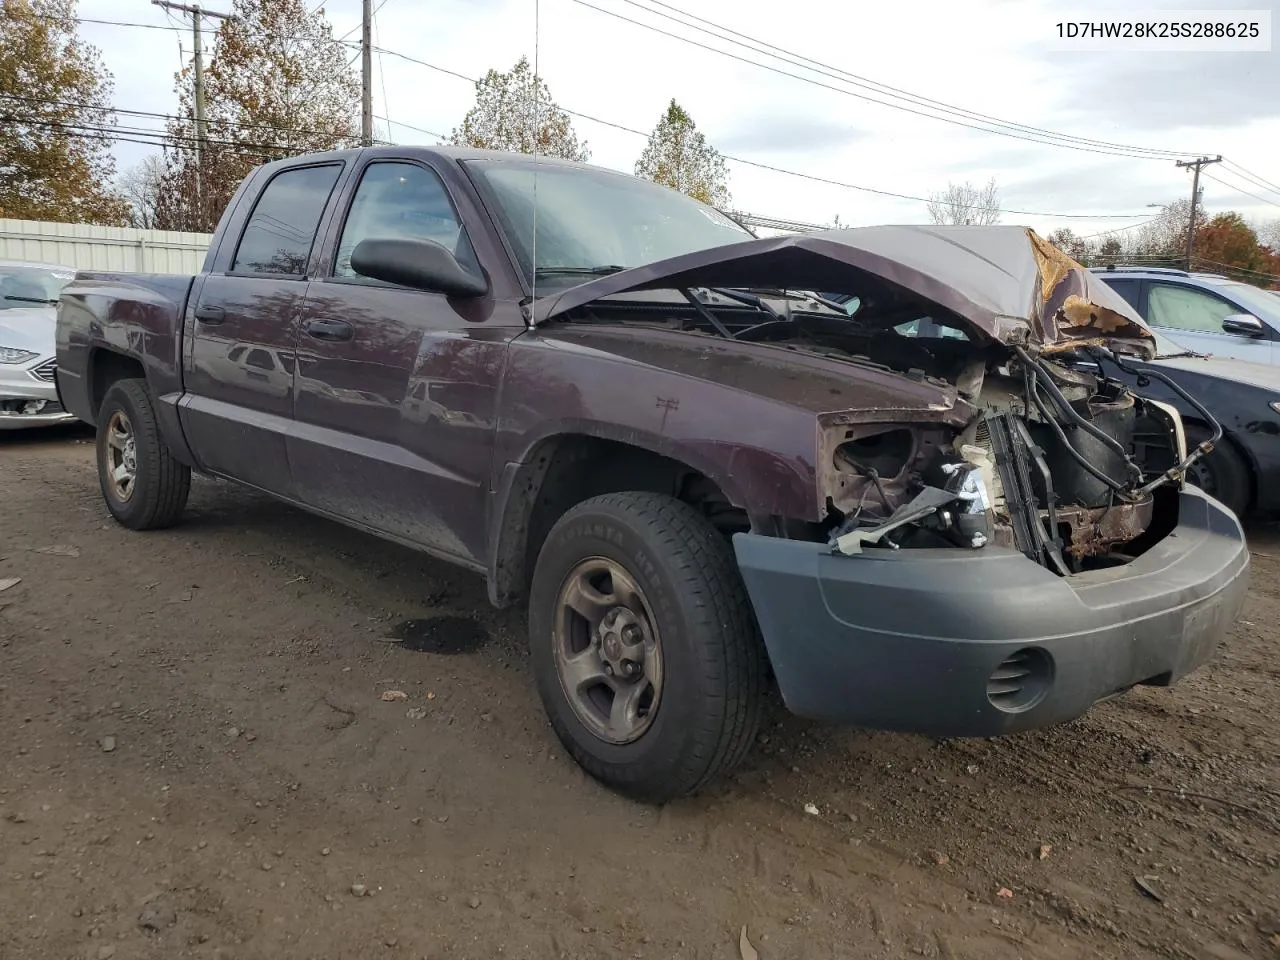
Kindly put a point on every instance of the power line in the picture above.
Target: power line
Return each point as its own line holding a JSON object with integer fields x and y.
{"x": 1132, "y": 226}
{"x": 1253, "y": 177}
{"x": 770, "y": 167}
{"x": 1229, "y": 266}
{"x": 829, "y": 70}
{"x": 1236, "y": 189}
{"x": 173, "y": 117}
{"x": 410, "y": 126}
{"x": 851, "y": 93}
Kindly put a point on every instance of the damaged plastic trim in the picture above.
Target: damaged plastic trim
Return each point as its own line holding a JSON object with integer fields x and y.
{"x": 925, "y": 503}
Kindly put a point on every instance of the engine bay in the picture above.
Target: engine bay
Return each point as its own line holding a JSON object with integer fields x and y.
{"x": 1048, "y": 462}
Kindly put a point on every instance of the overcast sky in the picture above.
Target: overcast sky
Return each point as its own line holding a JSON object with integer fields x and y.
{"x": 989, "y": 56}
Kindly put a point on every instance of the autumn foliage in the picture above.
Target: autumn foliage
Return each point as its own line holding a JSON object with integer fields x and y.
{"x": 678, "y": 156}
{"x": 55, "y": 100}
{"x": 514, "y": 111}
{"x": 277, "y": 85}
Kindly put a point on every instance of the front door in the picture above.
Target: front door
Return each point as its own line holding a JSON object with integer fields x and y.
{"x": 240, "y": 369}
{"x": 1193, "y": 317}
{"x": 396, "y": 388}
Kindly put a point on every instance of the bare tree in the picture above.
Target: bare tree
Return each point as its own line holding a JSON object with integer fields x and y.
{"x": 964, "y": 203}
{"x": 140, "y": 186}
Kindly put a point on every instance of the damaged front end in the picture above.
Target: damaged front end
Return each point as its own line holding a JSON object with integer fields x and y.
{"x": 1029, "y": 448}
{"x": 1050, "y": 459}
{"x": 1047, "y": 464}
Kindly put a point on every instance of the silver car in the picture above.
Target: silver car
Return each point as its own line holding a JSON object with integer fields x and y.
{"x": 1204, "y": 312}
{"x": 28, "y": 319}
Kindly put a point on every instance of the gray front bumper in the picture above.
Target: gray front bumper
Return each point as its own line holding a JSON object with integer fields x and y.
{"x": 978, "y": 643}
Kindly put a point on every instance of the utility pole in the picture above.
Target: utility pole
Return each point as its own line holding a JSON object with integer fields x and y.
{"x": 1195, "y": 196}
{"x": 366, "y": 75}
{"x": 202, "y": 127}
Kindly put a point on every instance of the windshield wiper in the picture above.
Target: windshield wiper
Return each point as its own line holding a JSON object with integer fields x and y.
{"x": 1184, "y": 353}
{"x": 32, "y": 300}
{"x": 601, "y": 271}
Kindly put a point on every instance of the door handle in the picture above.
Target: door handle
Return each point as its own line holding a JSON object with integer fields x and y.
{"x": 333, "y": 330}
{"x": 210, "y": 314}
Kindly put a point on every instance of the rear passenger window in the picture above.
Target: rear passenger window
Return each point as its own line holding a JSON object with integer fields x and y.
{"x": 1129, "y": 289}
{"x": 280, "y": 232}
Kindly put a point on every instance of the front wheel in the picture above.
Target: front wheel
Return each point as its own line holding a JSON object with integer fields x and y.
{"x": 144, "y": 487}
{"x": 1223, "y": 474}
{"x": 645, "y": 650}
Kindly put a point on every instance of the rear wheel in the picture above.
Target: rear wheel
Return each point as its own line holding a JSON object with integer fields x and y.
{"x": 1223, "y": 474}
{"x": 646, "y": 654}
{"x": 143, "y": 485}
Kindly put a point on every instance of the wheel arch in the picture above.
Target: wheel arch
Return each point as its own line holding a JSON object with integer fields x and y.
{"x": 1240, "y": 449}
{"x": 564, "y": 469}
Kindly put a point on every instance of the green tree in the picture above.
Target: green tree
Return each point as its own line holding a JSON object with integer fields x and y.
{"x": 514, "y": 111}
{"x": 678, "y": 156}
{"x": 277, "y": 85}
{"x": 1111, "y": 250}
{"x": 55, "y": 100}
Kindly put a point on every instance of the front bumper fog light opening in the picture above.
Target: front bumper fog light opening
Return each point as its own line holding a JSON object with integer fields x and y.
{"x": 1021, "y": 680}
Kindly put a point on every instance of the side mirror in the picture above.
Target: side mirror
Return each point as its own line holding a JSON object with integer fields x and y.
{"x": 1243, "y": 324}
{"x": 422, "y": 264}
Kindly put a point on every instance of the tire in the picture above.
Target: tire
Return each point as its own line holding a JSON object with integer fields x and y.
{"x": 703, "y": 715}
{"x": 157, "y": 493}
{"x": 1223, "y": 474}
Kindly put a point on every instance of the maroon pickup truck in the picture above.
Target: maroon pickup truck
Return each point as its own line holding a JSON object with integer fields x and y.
{"x": 861, "y": 465}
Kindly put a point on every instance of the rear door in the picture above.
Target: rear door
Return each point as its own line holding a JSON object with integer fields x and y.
{"x": 396, "y": 388}
{"x": 240, "y": 366}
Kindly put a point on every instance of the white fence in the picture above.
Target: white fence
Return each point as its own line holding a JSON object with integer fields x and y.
{"x": 88, "y": 247}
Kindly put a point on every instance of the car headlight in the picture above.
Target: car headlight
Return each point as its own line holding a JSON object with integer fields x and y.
{"x": 14, "y": 355}
{"x": 1275, "y": 405}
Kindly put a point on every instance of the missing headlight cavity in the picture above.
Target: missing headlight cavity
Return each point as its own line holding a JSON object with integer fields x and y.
{"x": 885, "y": 453}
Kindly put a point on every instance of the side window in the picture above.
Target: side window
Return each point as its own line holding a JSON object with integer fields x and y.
{"x": 1184, "y": 308}
{"x": 1130, "y": 290}
{"x": 260, "y": 359}
{"x": 402, "y": 200}
{"x": 282, "y": 228}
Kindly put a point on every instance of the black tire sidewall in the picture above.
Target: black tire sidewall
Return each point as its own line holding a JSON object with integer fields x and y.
{"x": 1230, "y": 472}
{"x": 136, "y": 405}
{"x": 684, "y": 731}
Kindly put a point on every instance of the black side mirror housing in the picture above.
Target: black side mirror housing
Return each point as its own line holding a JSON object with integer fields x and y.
{"x": 1243, "y": 324}
{"x": 421, "y": 264}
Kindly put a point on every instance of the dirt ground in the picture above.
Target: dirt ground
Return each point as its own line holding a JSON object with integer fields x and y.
{"x": 195, "y": 761}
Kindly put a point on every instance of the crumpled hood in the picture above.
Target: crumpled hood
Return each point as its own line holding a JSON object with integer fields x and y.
{"x": 1006, "y": 282}
{"x": 33, "y": 328}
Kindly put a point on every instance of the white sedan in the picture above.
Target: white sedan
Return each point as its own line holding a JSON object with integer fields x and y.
{"x": 28, "y": 320}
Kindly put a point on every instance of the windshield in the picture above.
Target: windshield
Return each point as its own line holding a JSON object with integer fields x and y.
{"x": 594, "y": 221}
{"x": 23, "y": 287}
{"x": 1260, "y": 303}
